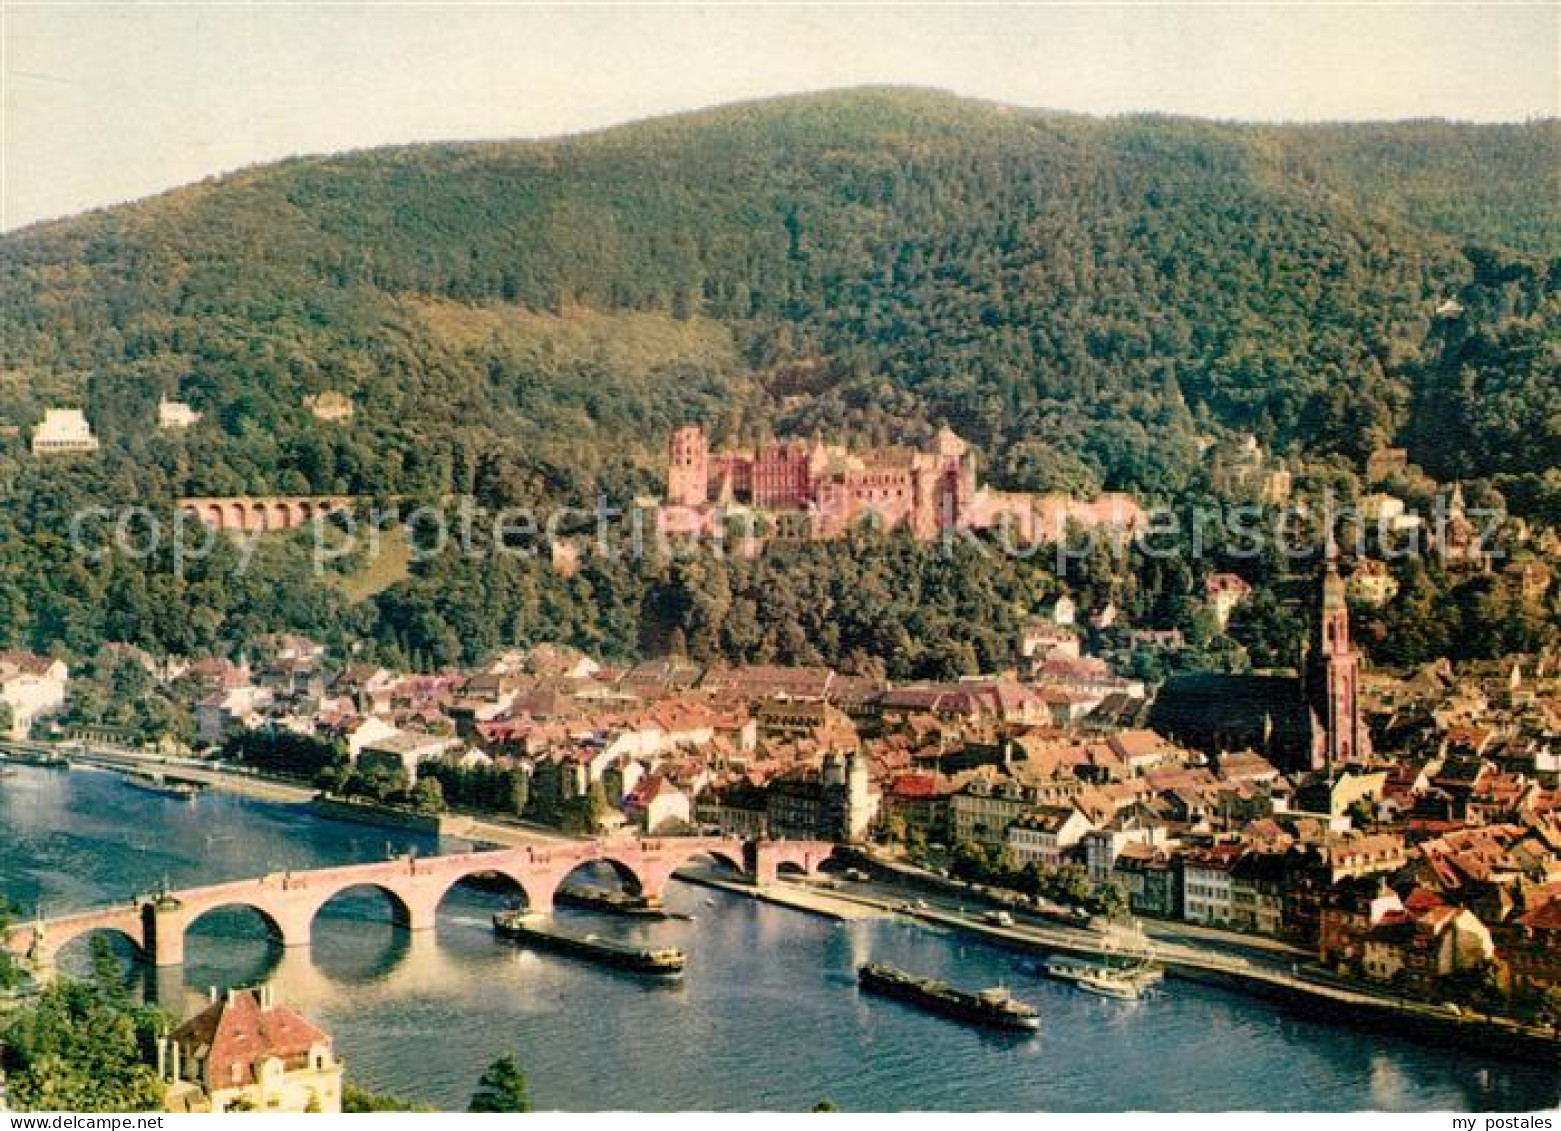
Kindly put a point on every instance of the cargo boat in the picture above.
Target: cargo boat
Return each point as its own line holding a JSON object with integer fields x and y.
{"x": 994, "y": 1008}
{"x": 613, "y": 902}
{"x": 161, "y": 785}
{"x": 663, "y": 962}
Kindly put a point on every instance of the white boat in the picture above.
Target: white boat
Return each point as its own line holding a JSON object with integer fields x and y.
{"x": 1124, "y": 983}
{"x": 1109, "y": 983}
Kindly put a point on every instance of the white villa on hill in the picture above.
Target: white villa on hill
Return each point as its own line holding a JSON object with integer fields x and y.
{"x": 64, "y": 430}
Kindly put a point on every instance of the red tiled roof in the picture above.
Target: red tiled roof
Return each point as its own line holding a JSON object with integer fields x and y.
{"x": 235, "y": 1032}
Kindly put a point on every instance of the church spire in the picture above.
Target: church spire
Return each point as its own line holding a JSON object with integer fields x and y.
{"x": 1331, "y": 671}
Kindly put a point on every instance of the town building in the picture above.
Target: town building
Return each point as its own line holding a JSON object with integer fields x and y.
{"x": 1152, "y": 879}
{"x": 224, "y": 712}
{"x": 919, "y": 801}
{"x": 1384, "y": 463}
{"x": 1046, "y": 835}
{"x": 655, "y": 805}
{"x": 836, "y": 802}
{"x": 738, "y": 808}
{"x": 1208, "y": 885}
{"x": 32, "y": 687}
{"x": 403, "y": 752}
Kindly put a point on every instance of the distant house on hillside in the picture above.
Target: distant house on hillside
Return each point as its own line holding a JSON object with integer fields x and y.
{"x": 63, "y": 430}
{"x": 329, "y": 406}
{"x": 1224, "y": 592}
{"x": 175, "y": 415}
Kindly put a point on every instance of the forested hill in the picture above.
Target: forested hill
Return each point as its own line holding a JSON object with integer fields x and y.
{"x": 1070, "y": 292}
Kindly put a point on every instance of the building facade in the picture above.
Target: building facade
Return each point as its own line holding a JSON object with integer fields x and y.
{"x": 824, "y": 491}
{"x": 244, "y": 1052}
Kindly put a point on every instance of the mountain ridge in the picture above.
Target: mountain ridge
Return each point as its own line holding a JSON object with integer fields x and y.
{"x": 984, "y": 261}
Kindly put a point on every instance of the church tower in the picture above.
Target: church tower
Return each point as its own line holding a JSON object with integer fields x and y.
{"x": 1331, "y": 676}
{"x": 688, "y": 468}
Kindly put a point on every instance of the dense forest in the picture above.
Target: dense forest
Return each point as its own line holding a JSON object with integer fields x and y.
{"x": 1091, "y": 301}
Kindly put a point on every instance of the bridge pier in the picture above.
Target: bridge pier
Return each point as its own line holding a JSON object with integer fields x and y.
{"x": 165, "y": 986}
{"x": 165, "y": 947}
{"x": 417, "y": 916}
{"x": 40, "y": 962}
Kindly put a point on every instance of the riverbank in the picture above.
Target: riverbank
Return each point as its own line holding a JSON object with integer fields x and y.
{"x": 224, "y": 781}
{"x": 387, "y": 816}
{"x": 1271, "y": 974}
{"x": 478, "y": 828}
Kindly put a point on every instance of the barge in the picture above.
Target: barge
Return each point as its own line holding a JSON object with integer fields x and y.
{"x": 993, "y": 1008}
{"x": 662, "y": 962}
{"x": 612, "y": 902}
{"x": 161, "y": 785}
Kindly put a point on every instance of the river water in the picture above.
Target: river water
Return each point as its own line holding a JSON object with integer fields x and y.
{"x": 768, "y": 1016}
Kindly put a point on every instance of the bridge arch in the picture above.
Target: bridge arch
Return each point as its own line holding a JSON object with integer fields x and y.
{"x": 275, "y": 926}
{"x": 728, "y": 860}
{"x": 340, "y": 902}
{"x": 236, "y": 516}
{"x": 73, "y": 952}
{"x": 506, "y": 884}
{"x": 592, "y": 870}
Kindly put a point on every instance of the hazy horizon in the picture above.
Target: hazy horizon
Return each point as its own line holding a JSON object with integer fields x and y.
{"x": 109, "y": 104}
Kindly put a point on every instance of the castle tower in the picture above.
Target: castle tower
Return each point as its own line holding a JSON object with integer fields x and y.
{"x": 1331, "y": 676}
{"x": 688, "y": 467}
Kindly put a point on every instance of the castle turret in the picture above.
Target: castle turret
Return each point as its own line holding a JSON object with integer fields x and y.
{"x": 688, "y": 468}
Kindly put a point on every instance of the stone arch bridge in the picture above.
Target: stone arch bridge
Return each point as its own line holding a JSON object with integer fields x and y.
{"x": 289, "y": 901}
{"x": 261, "y": 513}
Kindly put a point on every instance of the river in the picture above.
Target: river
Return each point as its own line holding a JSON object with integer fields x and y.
{"x": 768, "y": 1016}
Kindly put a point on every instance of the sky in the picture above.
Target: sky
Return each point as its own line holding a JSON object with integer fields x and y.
{"x": 106, "y": 102}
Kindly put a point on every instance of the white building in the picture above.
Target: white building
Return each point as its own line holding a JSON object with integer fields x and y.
{"x": 63, "y": 430}
{"x": 1102, "y": 846}
{"x": 656, "y": 805}
{"x": 1207, "y": 885}
{"x": 1046, "y": 835}
{"x": 31, "y": 687}
{"x": 175, "y": 415}
{"x": 363, "y": 731}
{"x": 404, "y": 751}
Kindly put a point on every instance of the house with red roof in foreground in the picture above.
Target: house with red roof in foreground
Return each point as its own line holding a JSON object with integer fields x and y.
{"x": 243, "y": 1052}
